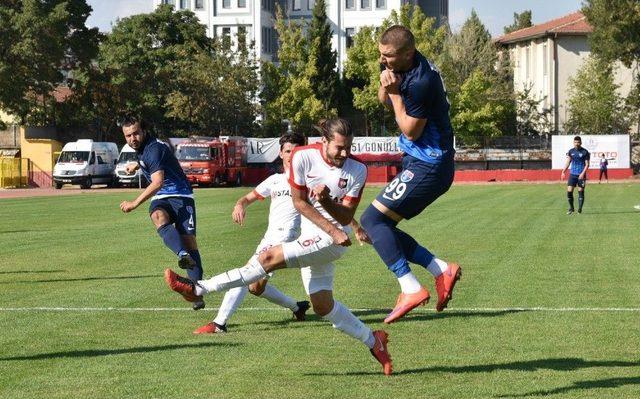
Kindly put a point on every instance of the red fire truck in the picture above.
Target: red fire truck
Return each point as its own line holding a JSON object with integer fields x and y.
{"x": 213, "y": 160}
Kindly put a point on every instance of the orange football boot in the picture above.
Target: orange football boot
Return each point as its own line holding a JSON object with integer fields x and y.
{"x": 445, "y": 283}
{"x": 406, "y": 303}
{"x": 380, "y": 351}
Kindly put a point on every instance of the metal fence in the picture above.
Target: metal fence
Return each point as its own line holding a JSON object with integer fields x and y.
{"x": 506, "y": 152}
{"x": 522, "y": 143}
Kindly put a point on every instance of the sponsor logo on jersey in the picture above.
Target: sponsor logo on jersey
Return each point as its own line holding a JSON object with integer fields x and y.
{"x": 406, "y": 176}
{"x": 342, "y": 183}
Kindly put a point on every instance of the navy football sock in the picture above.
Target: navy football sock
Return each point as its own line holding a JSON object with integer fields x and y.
{"x": 195, "y": 274}
{"x": 415, "y": 252}
{"x": 570, "y": 198}
{"x": 580, "y": 199}
{"x": 171, "y": 237}
{"x": 381, "y": 230}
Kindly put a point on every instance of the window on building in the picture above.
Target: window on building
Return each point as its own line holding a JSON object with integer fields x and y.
{"x": 199, "y": 4}
{"x": 381, "y": 3}
{"x": 242, "y": 3}
{"x": 169, "y": 2}
{"x": 545, "y": 60}
{"x": 311, "y": 4}
{"x": 297, "y": 5}
{"x": 184, "y": 4}
{"x": 364, "y": 4}
{"x": 349, "y": 34}
{"x": 226, "y": 3}
{"x": 350, "y": 4}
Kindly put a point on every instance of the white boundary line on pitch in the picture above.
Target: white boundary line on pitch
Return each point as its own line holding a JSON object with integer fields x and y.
{"x": 269, "y": 309}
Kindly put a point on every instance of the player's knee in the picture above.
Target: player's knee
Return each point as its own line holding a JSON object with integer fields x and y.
{"x": 321, "y": 306}
{"x": 370, "y": 217}
{"x": 257, "y": 288}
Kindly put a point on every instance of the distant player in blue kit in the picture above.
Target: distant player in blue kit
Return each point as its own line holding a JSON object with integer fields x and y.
{"x": 172, "y": 209}
{"x": 412, "y": 87}
{"x": 578, "y": 159}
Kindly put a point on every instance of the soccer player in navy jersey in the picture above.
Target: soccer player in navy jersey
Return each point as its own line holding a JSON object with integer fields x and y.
{"x": 412, "y": 87}
{"x": 578, "y": 159}
{"x": 172, "y": 208}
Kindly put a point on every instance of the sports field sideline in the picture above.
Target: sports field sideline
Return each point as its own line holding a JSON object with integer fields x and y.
{"x": 548, "y": 306}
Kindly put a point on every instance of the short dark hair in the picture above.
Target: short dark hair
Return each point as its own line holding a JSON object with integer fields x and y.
{"x": 293, "y": 138}
{"x": 398, "y": 36}
{"x": 577, "y": 138}
{"x": 329, "y": 127}
{"x": 128, "y": 119}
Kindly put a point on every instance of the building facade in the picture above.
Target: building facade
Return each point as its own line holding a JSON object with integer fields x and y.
{"x": 256, "y": 18}
{"x": 546, "y": 56}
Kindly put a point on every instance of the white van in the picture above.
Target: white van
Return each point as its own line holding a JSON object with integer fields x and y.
{"x": 127, "y": 156}
{"x": 86, "y": 162}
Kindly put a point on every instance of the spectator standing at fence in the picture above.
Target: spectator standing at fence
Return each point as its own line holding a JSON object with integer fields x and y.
{"x": 604, "y": 164}
{"x": 578, "y": 158}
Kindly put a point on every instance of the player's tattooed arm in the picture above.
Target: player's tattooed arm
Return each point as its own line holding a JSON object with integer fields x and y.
{"x": 302, "y": 205}
{"x": 157, "y": 179}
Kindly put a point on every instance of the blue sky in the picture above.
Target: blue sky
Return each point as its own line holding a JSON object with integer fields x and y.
{"x": 495, "y": 14}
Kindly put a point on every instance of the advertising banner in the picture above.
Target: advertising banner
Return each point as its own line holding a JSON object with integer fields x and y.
{"x": 615, "y": 148}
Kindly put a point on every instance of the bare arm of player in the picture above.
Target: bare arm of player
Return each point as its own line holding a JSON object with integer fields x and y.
{"x": 302, "y": 205}
{"x": 383, "y": 97}
{"x": 342, "y": 213}
{"x": 360, "y": 233}
{"x": 131, "y": 168}
{"x": 409, "y": 126}
{"x": 566, "y": 166}
{"x": 157, "y": 178}
{"x": 239, "y": 213}
{"x": 583, "y": 174}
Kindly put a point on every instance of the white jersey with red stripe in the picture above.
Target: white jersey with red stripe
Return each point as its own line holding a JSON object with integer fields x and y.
{"x": 310, "y": 168}
{"x": 284, "y": 219}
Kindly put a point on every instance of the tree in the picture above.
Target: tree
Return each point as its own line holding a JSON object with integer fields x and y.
{"x": 288, "y": 88}
{"x": 39, "y": 40}
{"x": 323, "y": 76}
{"x": 362, "y": 64}
{"x": 616, "y": 36}
{"x": 594, "y": 105}
{"x": 479, "y": 109}
{"x": 471, "y": 60}
{"x": 520, "y": 21}
{"x": 531, "y": 117}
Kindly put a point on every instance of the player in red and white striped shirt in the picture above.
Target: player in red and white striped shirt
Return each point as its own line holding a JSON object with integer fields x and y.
{"x": 326, "y": 185}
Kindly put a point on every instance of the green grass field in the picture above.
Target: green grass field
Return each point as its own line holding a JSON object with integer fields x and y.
{"x": 548, "y": 305}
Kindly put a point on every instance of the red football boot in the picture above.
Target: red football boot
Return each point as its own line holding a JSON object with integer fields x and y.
{"x": 380, "y": 352}
{"x": 181, "y": 285}
{"x": 211, "y": 328}
{"x": 445, "y": 283}
{"x": 406, "y": 303}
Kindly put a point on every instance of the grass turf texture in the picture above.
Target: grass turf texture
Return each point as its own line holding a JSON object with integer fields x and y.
{"x": 515, "y": 243}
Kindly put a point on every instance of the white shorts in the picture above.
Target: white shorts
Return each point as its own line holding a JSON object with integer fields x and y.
{"x": 313, "y": 252}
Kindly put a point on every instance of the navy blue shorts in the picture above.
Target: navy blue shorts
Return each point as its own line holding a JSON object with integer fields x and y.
{"x": 181, "y": 210}
{"x": 574, "y": 181}
{"x": 417, "y": 186}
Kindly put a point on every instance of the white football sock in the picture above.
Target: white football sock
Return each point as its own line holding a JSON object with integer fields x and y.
{"x": 250, "y": 273}
{"x": 232, "y": 299}
{"x": 409, "y": 284}
{"x": 274, "y": 295}
{"x": 345, "y": 321}
{"x": 437, "y": 266}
